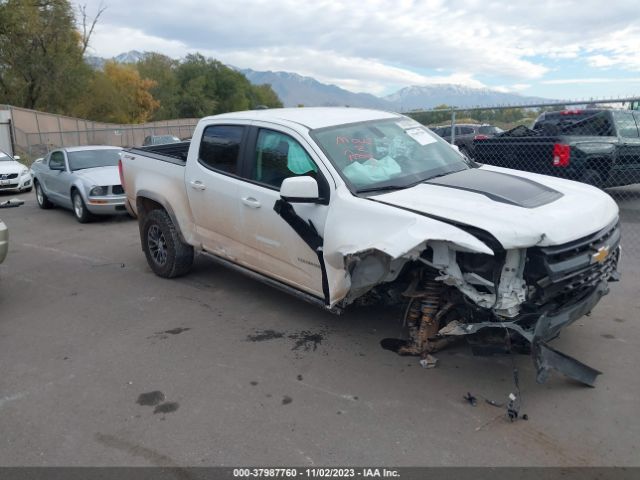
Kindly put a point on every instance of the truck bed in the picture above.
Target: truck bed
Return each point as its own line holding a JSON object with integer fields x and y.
{"x": 169, "y": 152}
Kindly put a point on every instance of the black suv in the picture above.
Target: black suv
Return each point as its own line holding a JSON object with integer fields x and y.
{"x": 466, "y": 133}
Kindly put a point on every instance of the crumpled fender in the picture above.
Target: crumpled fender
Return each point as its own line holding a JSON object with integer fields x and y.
{"x": 359, "y": 226}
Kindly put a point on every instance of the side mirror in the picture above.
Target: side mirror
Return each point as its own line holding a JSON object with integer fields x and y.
{"x": 300, "y": 190}
{"x": 16, "y": 157}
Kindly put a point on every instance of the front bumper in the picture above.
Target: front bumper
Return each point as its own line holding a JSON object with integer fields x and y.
{"x": 538, "y": 328}
{"x": 107, "y": 205}
{"x": 22, "y": 182}
{"x": 4, "y": 241}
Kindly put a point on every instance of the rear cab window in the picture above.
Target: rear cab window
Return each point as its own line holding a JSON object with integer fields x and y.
{"x": 220, "y": 148}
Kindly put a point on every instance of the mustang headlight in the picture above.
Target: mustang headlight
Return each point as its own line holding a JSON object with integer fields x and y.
{"x": 98, "y": 191}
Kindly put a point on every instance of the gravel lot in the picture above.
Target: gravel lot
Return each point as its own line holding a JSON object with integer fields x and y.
{"x": 86, "y": 328}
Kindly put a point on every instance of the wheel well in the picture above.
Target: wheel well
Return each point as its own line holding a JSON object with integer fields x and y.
{"x": 600, "y": 165}
{"x": 144, "y": 205}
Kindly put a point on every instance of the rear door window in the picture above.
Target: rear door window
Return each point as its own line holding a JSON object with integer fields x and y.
{"x": 465, "y": 131}
{"x": 220, "y": 147}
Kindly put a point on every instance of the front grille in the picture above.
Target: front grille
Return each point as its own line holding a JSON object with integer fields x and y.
{"x": 563, "y": 272}
{"x": 8, "y": 176}
{"x": 6, "y": 187}
{"x": 117, "y": 190}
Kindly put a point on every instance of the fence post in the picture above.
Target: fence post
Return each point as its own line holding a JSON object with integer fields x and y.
{"x": 453, "y": 127}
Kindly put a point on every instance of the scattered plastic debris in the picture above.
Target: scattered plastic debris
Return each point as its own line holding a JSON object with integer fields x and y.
{"x": 429, "y": 361}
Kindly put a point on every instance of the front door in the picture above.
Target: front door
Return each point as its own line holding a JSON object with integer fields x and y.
{"x": 272, "y": 246}
{"x": 56, "y": 179}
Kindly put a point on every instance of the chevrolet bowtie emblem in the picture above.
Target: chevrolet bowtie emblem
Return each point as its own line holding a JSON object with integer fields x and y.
{"x": 601, "y": 255}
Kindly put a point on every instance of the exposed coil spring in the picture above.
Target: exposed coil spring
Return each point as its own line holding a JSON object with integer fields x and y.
{"x": 421, "y": 317}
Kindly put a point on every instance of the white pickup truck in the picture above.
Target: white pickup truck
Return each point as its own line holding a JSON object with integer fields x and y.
{"x": 345, "y": 205}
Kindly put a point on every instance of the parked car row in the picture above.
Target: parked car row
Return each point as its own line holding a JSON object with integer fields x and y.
{"x": 600, "y": 147}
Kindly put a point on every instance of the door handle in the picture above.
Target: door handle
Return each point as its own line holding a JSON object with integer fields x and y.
{"x": 251, "y": 202}
{"x": 197, "y": 185}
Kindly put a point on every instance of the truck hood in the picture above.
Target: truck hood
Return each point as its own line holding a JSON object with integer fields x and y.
{"x": 100, "y": 175}
{"x": 520, "y": 209}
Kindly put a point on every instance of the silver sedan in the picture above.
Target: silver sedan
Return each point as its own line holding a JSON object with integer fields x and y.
{"x": 83, "y": 179}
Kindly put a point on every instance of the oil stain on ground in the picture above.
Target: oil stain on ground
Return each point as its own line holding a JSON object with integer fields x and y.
{"x": 165, "y": 333}
{"x": 306, "y": 340}
{"x": 167, "y": 407}
{"x": 150, "y": 399}
{"x": 264, "y": 335}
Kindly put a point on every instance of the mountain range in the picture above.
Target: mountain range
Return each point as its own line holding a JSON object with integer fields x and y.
{"x": 294, "y": 89}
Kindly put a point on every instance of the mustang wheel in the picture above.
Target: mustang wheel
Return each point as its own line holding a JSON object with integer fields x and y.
{"x": 80, "y": 209}
{"x": 41, "y": 198}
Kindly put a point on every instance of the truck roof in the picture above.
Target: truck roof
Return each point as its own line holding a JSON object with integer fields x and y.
{"x": 310, "y": 117}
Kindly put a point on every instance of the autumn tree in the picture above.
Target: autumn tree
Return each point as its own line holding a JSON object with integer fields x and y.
{"x": 118, "y": 95}
{"x": 162, "y": 70}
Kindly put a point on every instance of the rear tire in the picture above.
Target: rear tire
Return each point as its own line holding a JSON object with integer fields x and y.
{"x": 41, "y": 197}
{"x": 167, "y": 255}
{"x": 79, "y": 208}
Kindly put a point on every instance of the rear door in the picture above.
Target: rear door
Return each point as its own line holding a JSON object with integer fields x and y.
{"x": 212, "y": 182}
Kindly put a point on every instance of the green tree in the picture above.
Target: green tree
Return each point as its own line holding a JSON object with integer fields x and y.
{"x": 162, "y": 70}
{"x": 41, "y": 64}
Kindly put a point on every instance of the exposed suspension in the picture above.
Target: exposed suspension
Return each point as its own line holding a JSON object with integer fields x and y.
{"x": 422, "y": 319}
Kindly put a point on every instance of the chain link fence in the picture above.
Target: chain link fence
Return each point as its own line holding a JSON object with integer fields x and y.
{"x": 594, "y": 142}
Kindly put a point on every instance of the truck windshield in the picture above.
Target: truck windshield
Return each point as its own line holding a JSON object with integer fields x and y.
{"x": 387, "y": 154}
{"x": 93, "y": 158}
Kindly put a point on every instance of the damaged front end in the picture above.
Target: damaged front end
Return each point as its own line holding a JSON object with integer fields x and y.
{"x": 513, "y": 301}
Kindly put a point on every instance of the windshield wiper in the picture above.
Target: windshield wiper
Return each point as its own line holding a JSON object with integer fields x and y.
{"x": 388, "y": 187}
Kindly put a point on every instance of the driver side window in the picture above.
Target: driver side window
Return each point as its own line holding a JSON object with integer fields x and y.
{"x": 278, "y": 156}
{"x": 56, "y": 162}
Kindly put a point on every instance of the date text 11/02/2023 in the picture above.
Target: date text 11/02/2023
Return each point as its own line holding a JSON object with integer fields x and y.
{"x": 315, "y": 473}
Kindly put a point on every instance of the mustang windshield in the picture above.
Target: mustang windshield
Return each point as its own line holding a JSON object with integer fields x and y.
{"x": 387, "y": 154}
{"x": 93, "y": 158}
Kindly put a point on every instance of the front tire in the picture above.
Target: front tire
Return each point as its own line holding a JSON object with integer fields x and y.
{"x": 41, "y": 198}
{"x": 79, "y": 208}
{"x": 167, "y": 255}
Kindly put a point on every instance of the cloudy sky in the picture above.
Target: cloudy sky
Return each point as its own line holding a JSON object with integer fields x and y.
{"x": 549, "y": 48}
